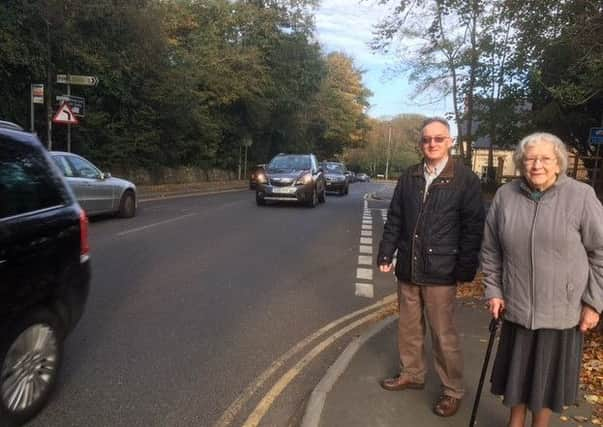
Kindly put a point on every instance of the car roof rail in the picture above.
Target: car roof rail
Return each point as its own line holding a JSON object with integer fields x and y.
{"x": 10, "y": 125}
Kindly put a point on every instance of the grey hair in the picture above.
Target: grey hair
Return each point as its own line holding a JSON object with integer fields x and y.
{"x": 535, "y": 138}
{"x": 431, "y": 120}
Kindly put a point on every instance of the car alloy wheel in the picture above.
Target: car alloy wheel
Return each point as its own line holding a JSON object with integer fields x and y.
{"x": 29, "y": 367}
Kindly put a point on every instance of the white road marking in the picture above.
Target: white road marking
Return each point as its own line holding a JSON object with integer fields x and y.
{"x": 366, "y": 233}
{"x": 262, "y": 408}
{"x": 235, "y": 407}
{"x": 366, "y": 249}
{"x": 367, "y": 226}
{"x": 366, "y": 240}
{"x": 167, "y": 221}
{"x": 367, "y": 222}
{"x": 364, "y": 290}
{"x": 365, "y": 260}
{"x": 364, "y": 273}
{"x": 191, "y": 194}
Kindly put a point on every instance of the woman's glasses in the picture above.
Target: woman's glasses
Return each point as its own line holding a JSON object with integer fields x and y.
{"x": 545, "y": 161}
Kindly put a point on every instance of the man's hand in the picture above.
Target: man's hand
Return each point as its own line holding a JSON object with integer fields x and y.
{"x": 588, "y": 318}
{"x": 496, "y": 306}
{"x": 385, "y": 268}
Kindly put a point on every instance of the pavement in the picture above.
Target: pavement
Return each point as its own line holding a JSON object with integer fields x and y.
{"x": 350, "y": 395}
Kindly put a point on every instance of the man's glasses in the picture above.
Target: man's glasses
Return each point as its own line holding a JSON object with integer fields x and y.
{"x": 436, "y": 139}
{"x": 546, "y": 161}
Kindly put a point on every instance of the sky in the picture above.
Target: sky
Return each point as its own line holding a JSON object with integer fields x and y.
{"x": 346, "y": 26}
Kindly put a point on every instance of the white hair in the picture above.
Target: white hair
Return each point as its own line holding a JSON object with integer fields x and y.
{"x": 536, "y": 138}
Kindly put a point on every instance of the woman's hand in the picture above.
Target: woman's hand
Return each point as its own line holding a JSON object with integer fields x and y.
{"x": 385, "y": 268}
{"x": 588, "y": 318}
{"x": 496, "y": 306}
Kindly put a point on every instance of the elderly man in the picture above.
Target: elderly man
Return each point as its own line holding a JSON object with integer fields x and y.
{"x": 435, "y": 222}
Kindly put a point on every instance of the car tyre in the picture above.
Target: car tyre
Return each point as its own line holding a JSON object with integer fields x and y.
{"x": 260, "y": 201}
{"x": 322, "y": 197}
{"x": 346, "y": 190}
{"x": 314, "y": 199}
{"x": 127, "y": 205}
{"x": 30, "y": 358}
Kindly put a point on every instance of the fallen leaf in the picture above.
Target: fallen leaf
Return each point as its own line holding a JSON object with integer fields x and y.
{"x": 580, "y": 418}
{"x": 563, "y": 418}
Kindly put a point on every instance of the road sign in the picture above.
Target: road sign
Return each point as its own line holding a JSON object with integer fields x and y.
{"x": 37, "y": 93}
{"x": 596, "y": 136}
{"x": 65, "y": 116}
{"x": 70, "y": 79}
{"x": 76, "y": 103}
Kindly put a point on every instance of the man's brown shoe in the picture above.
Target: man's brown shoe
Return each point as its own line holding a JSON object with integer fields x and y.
{"x": 447, "y": 406}
{"x": 400, "y": 382}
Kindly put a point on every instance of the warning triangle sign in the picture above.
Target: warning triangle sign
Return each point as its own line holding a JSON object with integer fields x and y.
{"x": 64, "y": 115}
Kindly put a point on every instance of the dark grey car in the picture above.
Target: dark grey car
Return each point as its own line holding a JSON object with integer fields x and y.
{"x": 96, "y": 192}
{"x": 337, "y": 180}
{"x": 292, "y": 178}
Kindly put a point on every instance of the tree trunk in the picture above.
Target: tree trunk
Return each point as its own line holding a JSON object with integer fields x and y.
{"x": 470, "y": 88}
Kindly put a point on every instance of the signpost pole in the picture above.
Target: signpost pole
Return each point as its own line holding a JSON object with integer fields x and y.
{"x": 31, "y": 100}
{"x": 596, "y": 168}
{"x": 68, "y": 126}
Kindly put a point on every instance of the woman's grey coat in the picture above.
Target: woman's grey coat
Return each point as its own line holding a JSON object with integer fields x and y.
{"x": 545, "y": 258}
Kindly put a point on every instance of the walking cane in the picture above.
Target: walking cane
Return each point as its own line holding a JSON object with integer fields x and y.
{"x": 493, "y": 327}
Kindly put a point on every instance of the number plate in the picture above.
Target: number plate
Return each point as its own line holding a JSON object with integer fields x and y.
{"x": 283, "y": 190}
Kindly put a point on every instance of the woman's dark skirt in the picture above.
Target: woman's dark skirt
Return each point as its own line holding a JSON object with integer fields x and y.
{"x": 537, "y": 368}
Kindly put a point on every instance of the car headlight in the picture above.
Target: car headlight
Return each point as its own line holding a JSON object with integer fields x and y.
{"x": 304, "y": 179}
{"x": 261, "y": 178}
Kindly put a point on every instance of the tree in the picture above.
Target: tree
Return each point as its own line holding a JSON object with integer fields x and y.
{"x": 210, "y": 75}
{"x": 398, "y": 151}
{"x": 341, "y": 106}
{"x": 436, "y": 42}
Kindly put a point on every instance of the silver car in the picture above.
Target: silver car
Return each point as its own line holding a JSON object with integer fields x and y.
{"x": 97, "y": 192}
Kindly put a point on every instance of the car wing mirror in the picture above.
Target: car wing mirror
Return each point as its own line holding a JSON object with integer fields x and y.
{"x": 106, "y": 175}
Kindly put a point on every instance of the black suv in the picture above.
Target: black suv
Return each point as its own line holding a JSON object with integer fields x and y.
{"x": 292, "y": 178}
{"x": 44, "y": 273}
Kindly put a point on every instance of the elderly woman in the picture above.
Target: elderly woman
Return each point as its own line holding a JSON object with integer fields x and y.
{"x": 542, "y": 258}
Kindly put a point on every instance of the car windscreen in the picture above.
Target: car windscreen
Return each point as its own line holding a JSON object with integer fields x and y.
{"x": 286, "y": 163}
{"x": 334, "y": 168}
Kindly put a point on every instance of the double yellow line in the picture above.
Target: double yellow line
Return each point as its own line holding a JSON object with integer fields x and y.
{"x": 376, "y": 312}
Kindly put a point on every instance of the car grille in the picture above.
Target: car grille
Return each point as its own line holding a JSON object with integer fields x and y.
{"x": 280, "y": 183}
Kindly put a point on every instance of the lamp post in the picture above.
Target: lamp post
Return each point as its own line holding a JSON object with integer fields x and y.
{"x": 389, "y": 142}
{"x": 247, "y": 141}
